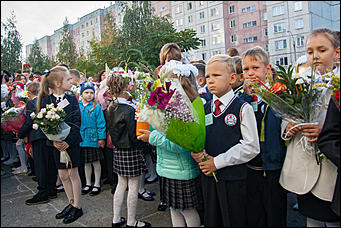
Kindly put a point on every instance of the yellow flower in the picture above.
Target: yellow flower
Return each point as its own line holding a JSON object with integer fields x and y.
{"x": 26, "y": 92}
{"x": 157, "y": 83}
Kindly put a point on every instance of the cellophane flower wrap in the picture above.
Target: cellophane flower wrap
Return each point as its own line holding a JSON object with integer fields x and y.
{"x": 298, "y": 98}
{"x": 51, "y": 121}
{"x": 166, "y": 106}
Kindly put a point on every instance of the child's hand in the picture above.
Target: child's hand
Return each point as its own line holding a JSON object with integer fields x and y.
{"x": 293, "y": 131}
{"x": 208, "y": 167}
{"x": 312, "y": 131}
{"x": 61, "y": 146}
{"x": 145, "y": 135}
{"x": 101, "y": 143}
{"x": 246, "y": 87}
{"x": 198, "y": 157}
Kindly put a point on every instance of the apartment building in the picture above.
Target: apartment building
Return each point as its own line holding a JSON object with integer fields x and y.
{"x": 162, "y": 8}
{"x": 290, "y": 22}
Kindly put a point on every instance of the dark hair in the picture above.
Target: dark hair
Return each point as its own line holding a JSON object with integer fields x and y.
{"x": 18, "y": 71}
{"x": 232, "y": 52}
{"x": 5, "y": 74}
{"x": 37, "y": 72}
{"x": 75, "y": 72}
{"x": 99, "y": 75}
{"x": 64, "y": 65}
{"x": 197, "y": 61}
{"x": 18, "y": 77}
{"x": 26, "y": 71}
{"x": 201, "y": 69}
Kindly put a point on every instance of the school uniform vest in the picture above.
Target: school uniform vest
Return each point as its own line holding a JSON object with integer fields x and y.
{"x": 223, "y": 134}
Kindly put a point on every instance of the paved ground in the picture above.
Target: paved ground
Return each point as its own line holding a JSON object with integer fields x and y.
{"x": 15, "y": 189}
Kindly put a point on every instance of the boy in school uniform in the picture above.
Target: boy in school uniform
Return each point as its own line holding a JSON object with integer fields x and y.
{"x": 266, "y": 199}
{"x": 231, "y": 141}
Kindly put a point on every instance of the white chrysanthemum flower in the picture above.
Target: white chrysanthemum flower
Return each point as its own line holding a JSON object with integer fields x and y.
{"x": 35, "y": 126}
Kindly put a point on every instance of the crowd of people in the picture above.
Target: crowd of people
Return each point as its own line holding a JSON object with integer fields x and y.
{"x": 254, "y": 154}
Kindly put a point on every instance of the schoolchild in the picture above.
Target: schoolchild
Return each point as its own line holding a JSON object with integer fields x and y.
{"x": 313, "y": 183}
{"x": 93, "y": 136}
{"x": 178, "y": 171}
{"x": 204, "y": 94}
{"x": 266, "y": 199}
{"x": 238, "y": 85}
{"x": 128, "y": 160}
{"x": 231, "y": 141}
{"x": 58, "y": 81}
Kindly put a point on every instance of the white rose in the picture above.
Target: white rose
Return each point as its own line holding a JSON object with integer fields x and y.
{"x": 40, "y": 115}
{"x": 49, "y": 113}
{"x": 35, "y": 126}
{"x": 33, "y": 115}
{"x": 43, "y": 110}
{"x": 57, "y": 117}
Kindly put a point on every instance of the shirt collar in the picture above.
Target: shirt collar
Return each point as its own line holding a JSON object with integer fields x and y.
{"x": 123, "y": 100}
{"x": 224, "y": 99}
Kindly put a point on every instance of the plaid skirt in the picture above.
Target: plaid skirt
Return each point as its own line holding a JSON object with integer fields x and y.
{"x": 129, "y": 162}
{"x": 181, "y": 194}
{"x": 91, "y": 154}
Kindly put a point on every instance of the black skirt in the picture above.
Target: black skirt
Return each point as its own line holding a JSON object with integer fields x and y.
{"x": 90, "y": 154}
{"x": 129, "y": 162}
{"x": 181, "y": 194}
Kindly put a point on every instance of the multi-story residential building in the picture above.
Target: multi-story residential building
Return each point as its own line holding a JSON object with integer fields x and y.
{"x": 162, "y": 8}
{"x": 222, "y": 24}
{"x": 290, "y": 22}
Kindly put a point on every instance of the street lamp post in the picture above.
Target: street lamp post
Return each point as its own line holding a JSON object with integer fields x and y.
{"x": 293, "y": 44}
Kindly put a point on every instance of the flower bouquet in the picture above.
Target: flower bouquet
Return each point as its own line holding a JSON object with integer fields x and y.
{"x": 51, "y": 121}
{"x": 13, "y": 118}
{"x": 296, "y": 98}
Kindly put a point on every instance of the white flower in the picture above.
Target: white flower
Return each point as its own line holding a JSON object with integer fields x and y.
{"x": 57, "y": 117}
{"x": 179, "y": 68}
{"x": 59, "y": 109}
{"x": 35, "y": 126}
{"x": 43, "y": 110}
{"x": 33, "y": 115}
{"x": 40, "y": 115}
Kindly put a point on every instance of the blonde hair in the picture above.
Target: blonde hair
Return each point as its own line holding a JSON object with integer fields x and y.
{"x": 332, "y": 36}
{"x": 56, "y": 74}
{"x": 170, "y": 51}
{"x": 33, "y": 88}
{"x": 226, "y": 59}
{"x": 116, "y": 86}
{"x": 257, "y": 52}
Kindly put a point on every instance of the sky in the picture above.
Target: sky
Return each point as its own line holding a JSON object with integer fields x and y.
{"x": 36, "y": 19}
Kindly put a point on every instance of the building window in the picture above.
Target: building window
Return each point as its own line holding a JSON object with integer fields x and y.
{"x": 190, "y": 19}
{"x": 203, "y": 43}
{"x": 164, "y": 8}
{"x": 265, "y": 16}
{"x": 297, "y": 6}
{"x": 280, "y": 44}
{"x": 266, "y": 47}
{"x": 87, "y": 24}
{"x": 214, "y": 26}
{"x": 266, "y": 32}
{"x": 91, "y": 22}
{"x": 299, "y": 23}
{"x": 216, "y": 40}
{"x": 233, "y": 24}
{"x": 82, "y": 34}
{"x": 202, "y": 28}
{"x": 96, "y": 20}
{"x": 87, "y": 33}
{"x": 278, "y": 10}
{"x": 231, "y": 9}
{"x": 249, "y": 24}
{"x": 300, "y": 41}
{"x": 233, "y": 38}
{"x": 202, "y": 15}
{"x": 189, "y": 6}
{"x": 203, "y": 56}
{"x": 153, "y": 9}
{"x": 282, "y": 61}
{"x": 218, "y": 52}
{"x": 82, "y": 26}
{"x": 201, "y": 3}
{"x": 214, "y": 12}
{"x": 280, "y": 27}
{"x": 250, "y": 40}
{"x": 82, "y": 43}
{"x": 248, "y": 9}
{"x": 178, "y": 9}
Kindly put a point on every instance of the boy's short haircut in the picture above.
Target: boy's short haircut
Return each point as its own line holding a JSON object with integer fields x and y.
{"x": 18, "y": 77}
{"x": 197, "y": 61}
{"x": 18, "y": 72}
{"x": 257, "y": 52}
{"x": 75, "y": 73}
{"x": 33, "y": 88}
{"x": 238, "y": 64}
{"x": 201, "y": 69}
{"x": 232, "y": 52}
{"x": 229, "y": 61}
{"x": 63, "y": 65}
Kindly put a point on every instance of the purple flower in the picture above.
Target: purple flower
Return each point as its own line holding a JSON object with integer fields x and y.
{"x": 153, "y": 98}
{"x": 168, "y": 84}
{"x": 149, "y": 85}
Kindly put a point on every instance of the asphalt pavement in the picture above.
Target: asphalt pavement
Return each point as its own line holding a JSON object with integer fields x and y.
{"x": 15, "y": 189}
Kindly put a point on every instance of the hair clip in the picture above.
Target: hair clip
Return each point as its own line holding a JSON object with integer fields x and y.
{"x": 46, "y": 72}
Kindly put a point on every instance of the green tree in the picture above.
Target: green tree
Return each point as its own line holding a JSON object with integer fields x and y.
{"x": 11, "y": 46}
{"x": 38, "y": 61}
{"x": 67, "y": 49}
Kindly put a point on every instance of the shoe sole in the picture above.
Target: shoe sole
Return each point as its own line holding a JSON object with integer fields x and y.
{"x": 52, "y": 197}
{"x": 41, "y": 202}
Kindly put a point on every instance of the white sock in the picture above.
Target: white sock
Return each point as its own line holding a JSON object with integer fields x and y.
{"x": 22, "y": 153}
{"x": 97, "y": 170}
{"x": 133, "y": 185}
{"x": 88, "y": 171}
{"x": 118, "y": 198}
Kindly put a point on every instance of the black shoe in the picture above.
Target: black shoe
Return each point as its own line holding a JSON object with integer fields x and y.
{"x": 52, "y": 195}
{"x": 146, "y": 224}
{"x": 37, "y": 199}
{"x": 31, "y": 174}
{"x": 74, "y": 214}
{"x": 146, "y": 198}
{"x": 151, "y": 193}
{"x": 119, "y": 224}
{"x": 86, "y": 191}
{"x": 93, "y": 193}
{"x": 64, "y": 212}
{"x": 162, "y": 206}
{"x": 35, "y": 179}
{"x": 146, "y": 181}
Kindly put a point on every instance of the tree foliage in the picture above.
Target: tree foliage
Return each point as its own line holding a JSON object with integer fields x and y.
{"x": 11, "y": 45}
{"x": 37, "y": 60}
{"x": 67, "y": 53}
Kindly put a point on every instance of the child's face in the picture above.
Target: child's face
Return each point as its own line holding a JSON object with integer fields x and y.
{"x": 88, "y": 95}
{"x": 323, "y": 51}
{"x": 66, "y": 83}
{"x": 74, "y": 79}
{"x": 218, "y": 79}
{"x": 254, "y": 69}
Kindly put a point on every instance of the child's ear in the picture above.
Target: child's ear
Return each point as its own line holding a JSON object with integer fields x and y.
{"x": 337, "y": 53}
{"x": 233, "y": 77}
{"x": 268, "y": 70}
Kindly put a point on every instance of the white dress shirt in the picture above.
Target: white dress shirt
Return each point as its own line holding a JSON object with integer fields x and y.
{"x": 248, "y": 147}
